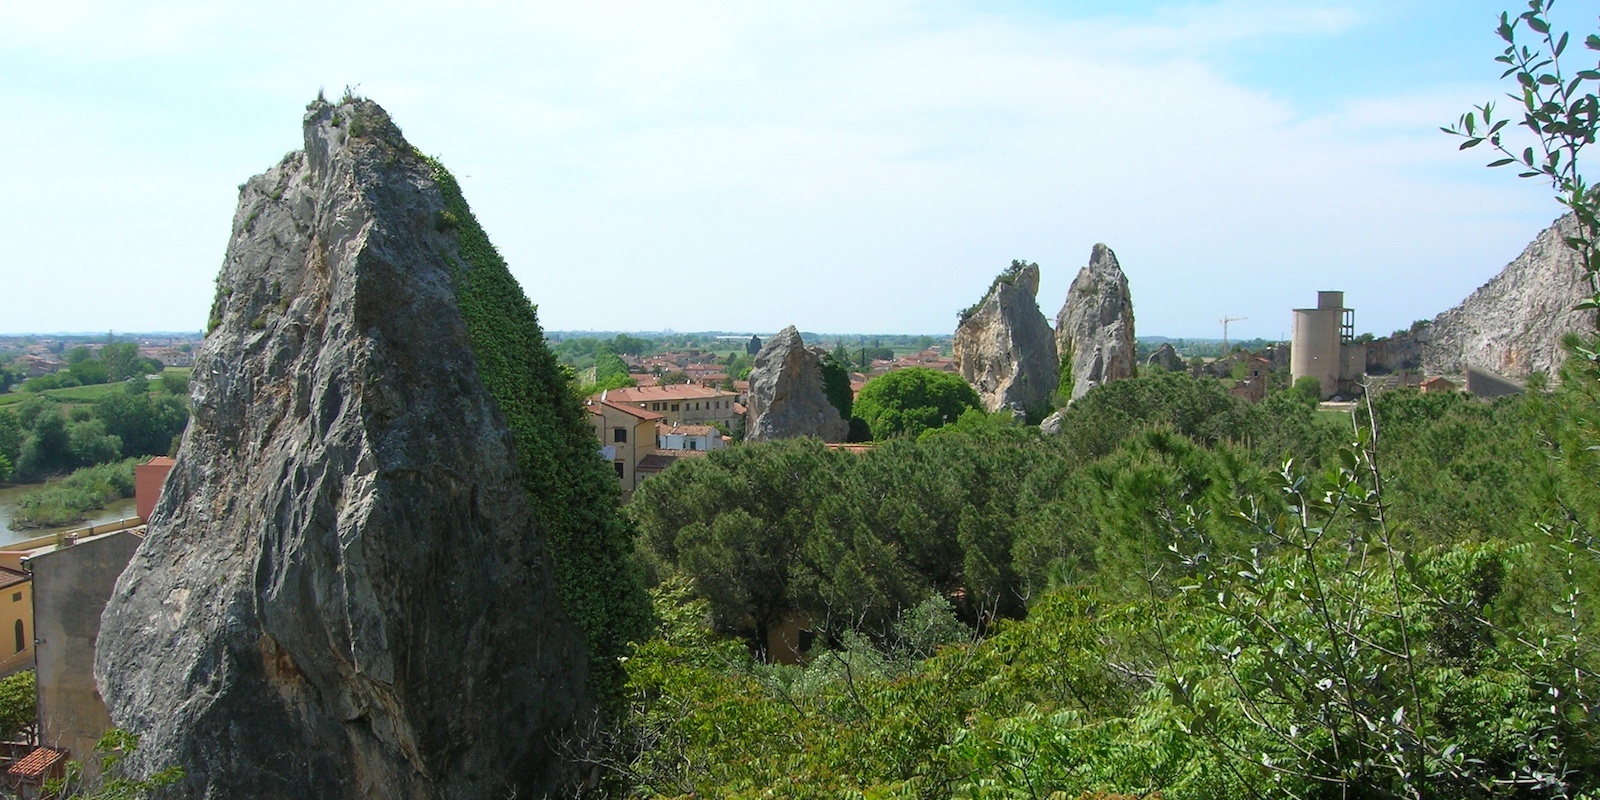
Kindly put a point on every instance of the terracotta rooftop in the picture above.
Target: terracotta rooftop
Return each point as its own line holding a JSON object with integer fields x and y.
{"x": 677, "y": 391}
{"x": 37, "y": 765}
{"x": 593, "y": 405}
{"x": 10, "y": 577}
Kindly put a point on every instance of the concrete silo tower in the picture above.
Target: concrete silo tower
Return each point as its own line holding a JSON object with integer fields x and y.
{"x": 1323, "y": 346}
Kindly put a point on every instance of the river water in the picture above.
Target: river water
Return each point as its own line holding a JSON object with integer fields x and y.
{"x": 11, "y": 494}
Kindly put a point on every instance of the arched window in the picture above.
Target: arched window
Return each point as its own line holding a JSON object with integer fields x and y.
{"x": 21, "y": 642}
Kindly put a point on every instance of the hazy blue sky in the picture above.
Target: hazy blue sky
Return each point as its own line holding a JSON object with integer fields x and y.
{"x": 842, "y": 166}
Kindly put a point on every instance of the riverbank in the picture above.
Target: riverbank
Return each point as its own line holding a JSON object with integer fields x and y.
{"x": 9, "y": 495}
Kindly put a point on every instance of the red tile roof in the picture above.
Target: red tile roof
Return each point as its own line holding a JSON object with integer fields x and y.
{"x": 677, "y": 391}
{"x": 37, "y": 765}
{"x": 593, "y": 405}
{"x": 10, "y": 577}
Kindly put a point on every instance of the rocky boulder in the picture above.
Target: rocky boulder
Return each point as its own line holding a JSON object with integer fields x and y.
{"x": 1513, "y": 325}
{"x": 787, "y": 397}
{"x": 1004, "y": 348}
{"x": 1167, "y": 358}
{"x": 345, "y": 591}
{"x": 1051, "y": 425}
{"x": 1094, "y": 331}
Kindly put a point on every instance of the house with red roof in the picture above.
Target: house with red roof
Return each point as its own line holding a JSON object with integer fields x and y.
{"x": 627, "y": 436}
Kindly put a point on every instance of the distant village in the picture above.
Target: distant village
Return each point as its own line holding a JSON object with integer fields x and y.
{"x": 34, "y": 356}
{"x": 688, "y": 401}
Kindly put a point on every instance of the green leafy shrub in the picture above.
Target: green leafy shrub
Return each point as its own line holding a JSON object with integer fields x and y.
{"x": 69, "y": 500}
{"x": 910, "y": 401}
{"x": 18, "y": 704}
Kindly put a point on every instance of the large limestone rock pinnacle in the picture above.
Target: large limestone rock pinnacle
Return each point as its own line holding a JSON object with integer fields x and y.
{"x": 1513, "y": 325}
{"x": 1004, "y": 348}
{"x": 344, "y": 592}
{"x": 1094, "y": 331}
{"x": 1166, "y": 357}
{"x": 786, "y": 397}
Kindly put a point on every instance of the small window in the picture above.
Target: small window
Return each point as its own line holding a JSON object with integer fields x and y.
{"x": 22, "y": 643}
{"x": 674, "y": 406}
{"x": 618, "y": 464}
{"x": 16, "y": 597}
{"x": 619, "y": 435}
{"x": 693, "y": 445}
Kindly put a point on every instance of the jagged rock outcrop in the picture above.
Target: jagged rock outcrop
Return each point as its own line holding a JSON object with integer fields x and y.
{"x": 1094, "y": 331}
{"x": 1166, "y": 357}
{"x": 787, "y": 398}
{"x": 1004, "y": 347}
{"x": 1051, "y": 425}
{"x": 753, "y": 346}
{"x": 344, "y": 591}
{"x": 1512, "y": 325}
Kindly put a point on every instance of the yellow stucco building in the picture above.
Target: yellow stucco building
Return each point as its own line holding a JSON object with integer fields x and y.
{"x": 627, "y": 435}
{"x": 16, "y": 620}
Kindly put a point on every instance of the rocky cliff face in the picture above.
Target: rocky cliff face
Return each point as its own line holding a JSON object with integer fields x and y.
{"x": 787, "y": 398}
{"x": 1512, "y": 325}
{"x": 345, "y": 592}
{"x": 1166, "y": 357}
{"x": 1004, "y": 347}
{"x": 1094, "y": 331}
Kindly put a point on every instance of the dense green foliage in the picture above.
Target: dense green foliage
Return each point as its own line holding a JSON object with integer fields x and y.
{"x": 910, "y": 401}
{"x": 69, "y": 500}
{"x": 1195, "y": 596}
{"x": 113, "y": 780}
{"x": 573, "y": 493}
{"x": 1189, "y": 615}
{"x": 18, "y": 704}
{"x": 609, "y": 372}
{"x": 836, "y": 385}
{"x": 42, "y": 437}
{"x": 116, "y": 361}
{"x": 1007, "y": 276}
{"x": 583, "y": 351}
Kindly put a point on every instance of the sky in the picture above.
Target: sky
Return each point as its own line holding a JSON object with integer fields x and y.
{"x": 840, "y": 166}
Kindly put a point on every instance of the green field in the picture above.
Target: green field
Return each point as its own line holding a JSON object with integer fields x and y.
{"x": 76, "y": 394}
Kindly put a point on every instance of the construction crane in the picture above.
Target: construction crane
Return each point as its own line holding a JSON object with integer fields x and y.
{"x": 1225, "y": 321}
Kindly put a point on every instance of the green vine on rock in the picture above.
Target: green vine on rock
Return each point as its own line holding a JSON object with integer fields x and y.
{"x": 573, "y": 493}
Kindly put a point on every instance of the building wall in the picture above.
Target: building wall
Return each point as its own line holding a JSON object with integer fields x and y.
{"x": 693, "y": 411}
{"x": 1318, "y": 349}
{"x": 16, "y": 605}
{"x": 1482, "y": 383}
{"x": 1315, "y": 347}
{"x": 70, "y": 588}
{"x": 641, "y": 442}
{"x": 707, "y": 411}
{"x": 147, "y": 481}
{"x": 683, "y": 441}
